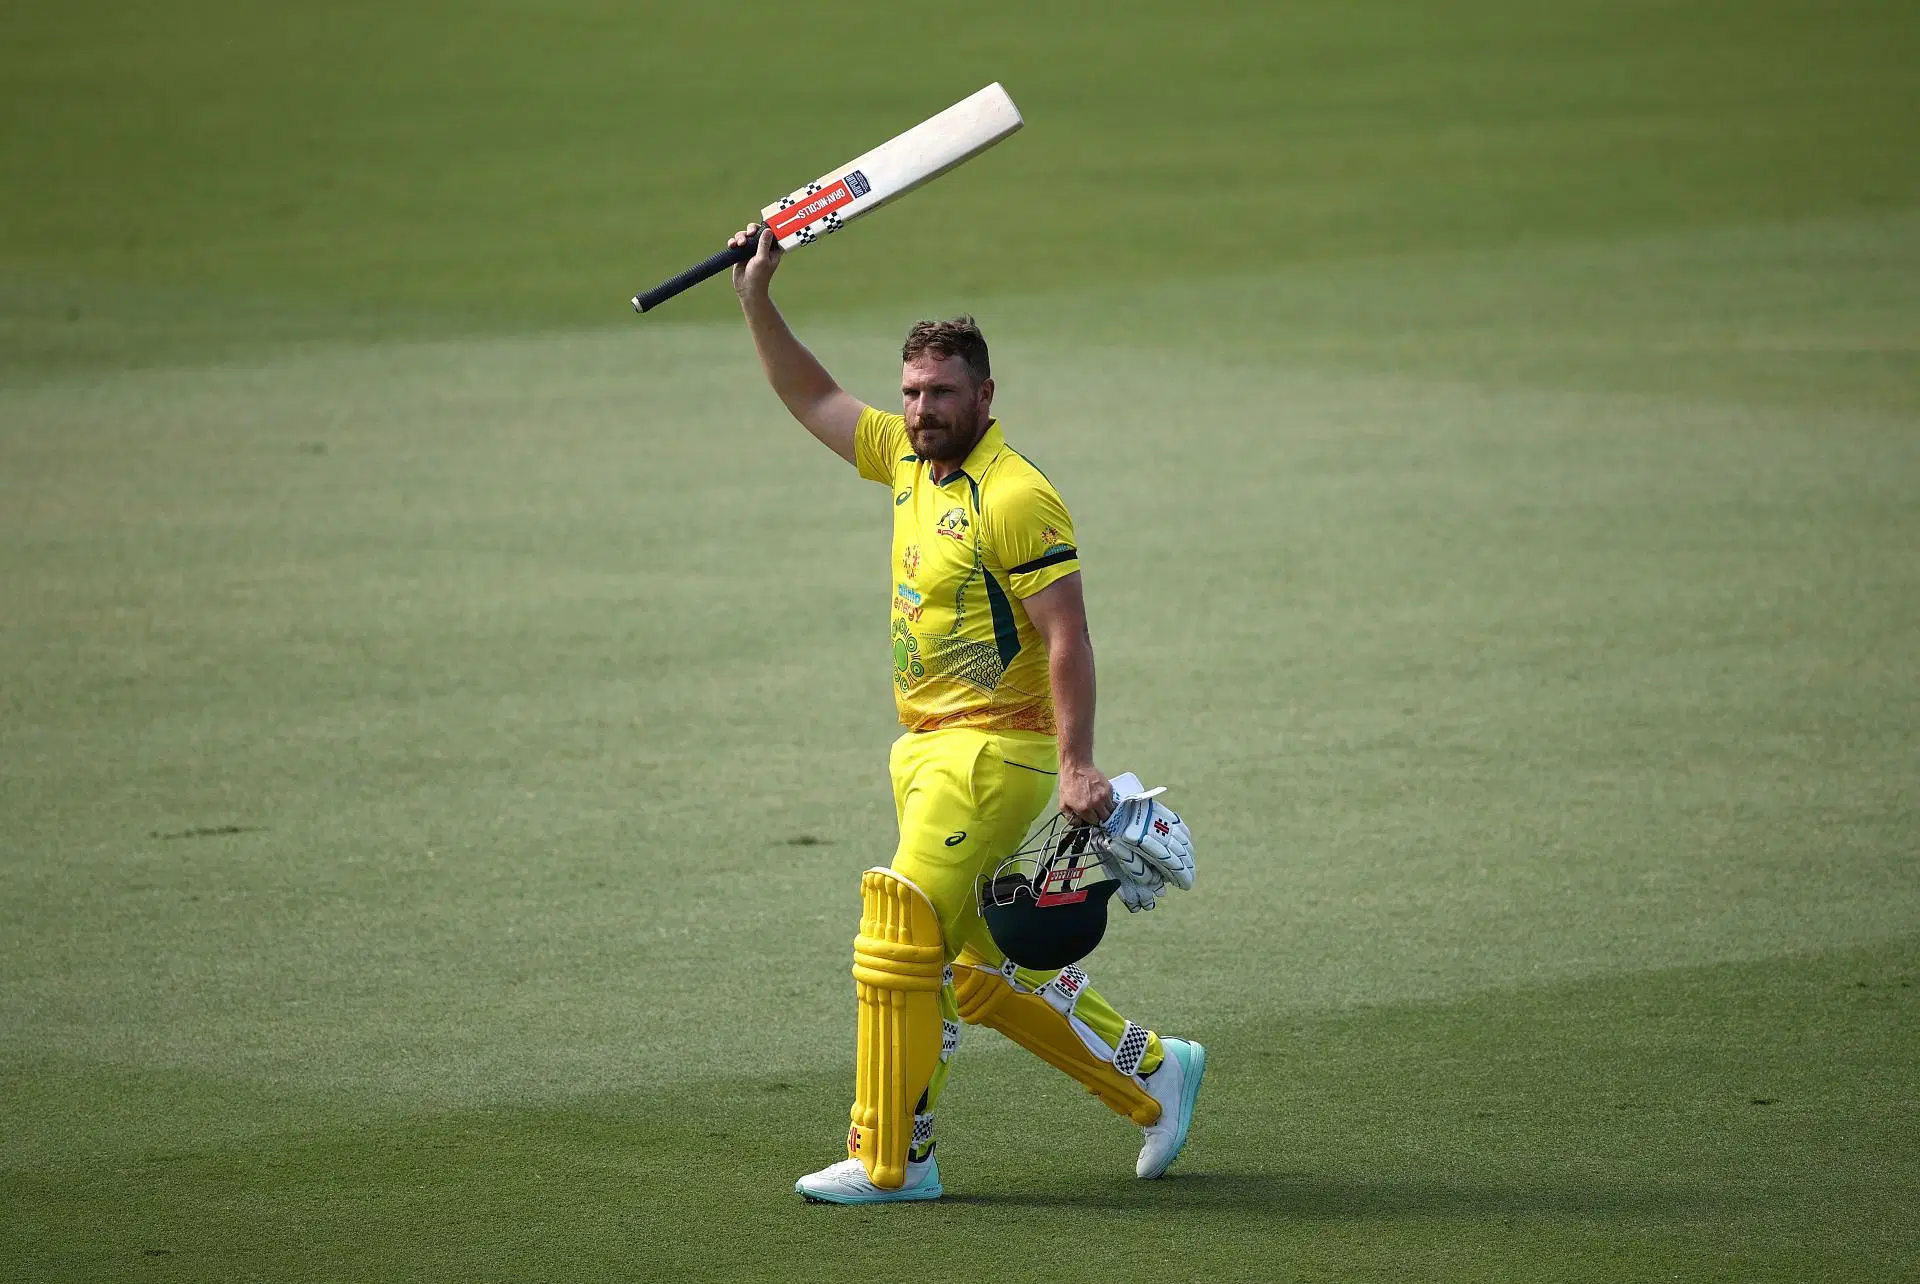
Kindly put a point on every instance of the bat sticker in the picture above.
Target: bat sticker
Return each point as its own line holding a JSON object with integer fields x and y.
{"x": 812, "y": 210}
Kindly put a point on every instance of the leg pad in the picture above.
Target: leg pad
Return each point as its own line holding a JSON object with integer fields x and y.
{"x": 899, "y": 963}
{"x": 988, "y": 998}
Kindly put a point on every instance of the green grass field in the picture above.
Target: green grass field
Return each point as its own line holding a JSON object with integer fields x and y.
{"x": 442, "y": 716}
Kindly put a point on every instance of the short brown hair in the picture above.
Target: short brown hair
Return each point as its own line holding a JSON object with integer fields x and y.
{"x": 959, "y": 337}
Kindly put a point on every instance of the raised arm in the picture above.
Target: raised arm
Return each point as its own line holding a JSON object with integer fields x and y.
{"x": 827, "y": 410}
{"x": 1059, "y": 615}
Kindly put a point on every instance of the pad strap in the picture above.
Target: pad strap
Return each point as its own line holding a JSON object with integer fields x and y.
{"x": 1063, "y": 991}
{"x": 1133, "y": 1047}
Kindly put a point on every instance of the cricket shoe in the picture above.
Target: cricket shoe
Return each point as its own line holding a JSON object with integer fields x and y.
{"x": 846, "y": 1183}
{"x": 1175, "y": 1084}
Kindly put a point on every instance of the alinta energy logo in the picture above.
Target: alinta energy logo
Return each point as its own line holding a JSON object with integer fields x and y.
{"x": 908, "y": 602}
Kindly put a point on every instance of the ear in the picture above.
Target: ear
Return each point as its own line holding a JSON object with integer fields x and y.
{"x": 986, "y": 395}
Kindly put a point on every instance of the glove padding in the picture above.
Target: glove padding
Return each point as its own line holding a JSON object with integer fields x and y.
{"x": 1134, "y": 896}
{"x": 1144, "y": 844}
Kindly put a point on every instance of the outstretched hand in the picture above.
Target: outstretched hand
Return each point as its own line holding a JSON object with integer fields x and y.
{"x": 753, "y": 276}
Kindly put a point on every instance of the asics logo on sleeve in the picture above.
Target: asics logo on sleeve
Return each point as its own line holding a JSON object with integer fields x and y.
{"x": 902, "y": 497}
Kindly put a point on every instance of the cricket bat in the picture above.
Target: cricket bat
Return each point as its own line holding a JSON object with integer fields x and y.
{"x": 866, "y": 182}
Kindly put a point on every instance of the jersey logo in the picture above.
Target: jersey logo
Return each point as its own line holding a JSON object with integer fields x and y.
{"x": 908, "y": 602}
{"x": 954, "y": 840}
{"x": 903, "y": 497}
{"x": 910, "y": 562}
{"x": 954, "y": 524}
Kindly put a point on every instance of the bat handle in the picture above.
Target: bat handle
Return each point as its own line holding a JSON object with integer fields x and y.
{"x": 694, "y": 275}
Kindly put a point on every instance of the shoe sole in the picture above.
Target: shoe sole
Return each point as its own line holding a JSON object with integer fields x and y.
{"x": 917, "y": 1194}
{"x": 1195, "y": 1071}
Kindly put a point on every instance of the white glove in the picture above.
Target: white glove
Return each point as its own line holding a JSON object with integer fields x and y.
{"x": 1144, "y": 844}
{"x": 1134, "y": 896}
{"x": 1152, "y": 830}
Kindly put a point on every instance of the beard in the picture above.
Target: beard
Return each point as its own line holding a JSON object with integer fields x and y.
{"x": 943, "y": 440}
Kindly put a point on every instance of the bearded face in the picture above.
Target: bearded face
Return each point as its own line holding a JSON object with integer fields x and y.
{"x": 946, "y": 410}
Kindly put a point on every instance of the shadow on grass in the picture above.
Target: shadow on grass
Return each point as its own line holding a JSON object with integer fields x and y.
{"x": 1314, "y": 1195}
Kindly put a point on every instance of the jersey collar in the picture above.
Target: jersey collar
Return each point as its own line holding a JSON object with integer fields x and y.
{"x": 991, "y": 443}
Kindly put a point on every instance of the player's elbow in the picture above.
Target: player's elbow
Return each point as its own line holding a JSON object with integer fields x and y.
{"x": 832, "y": 418}
{"x": 1068, "y": 641}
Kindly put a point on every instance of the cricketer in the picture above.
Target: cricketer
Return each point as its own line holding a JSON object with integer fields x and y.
{"x": 994, "y": 680}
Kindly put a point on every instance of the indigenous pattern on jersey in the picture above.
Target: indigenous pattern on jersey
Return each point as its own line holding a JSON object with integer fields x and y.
{"x": 965, "y": 552}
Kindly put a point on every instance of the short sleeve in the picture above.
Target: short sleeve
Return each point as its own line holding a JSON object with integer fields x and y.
{"x": 1033, "y": 535}
{"x": 879, "y": 442}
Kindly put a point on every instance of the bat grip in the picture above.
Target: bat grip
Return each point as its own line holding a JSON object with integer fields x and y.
{"x": 694, "y": 275}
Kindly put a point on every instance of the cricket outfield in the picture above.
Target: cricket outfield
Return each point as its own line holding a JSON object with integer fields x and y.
{"x": 443, "y": 716}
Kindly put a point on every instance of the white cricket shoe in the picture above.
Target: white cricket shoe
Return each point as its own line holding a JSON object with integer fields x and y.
{"x": 1175, "y": 1083}
{"x": 846, "y": 1183}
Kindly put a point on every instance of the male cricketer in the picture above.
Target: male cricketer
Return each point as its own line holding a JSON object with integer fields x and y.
{"x": 993, "y": 677}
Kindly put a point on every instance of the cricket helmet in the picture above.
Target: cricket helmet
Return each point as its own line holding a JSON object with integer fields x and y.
{"x": 1046, "y": 905}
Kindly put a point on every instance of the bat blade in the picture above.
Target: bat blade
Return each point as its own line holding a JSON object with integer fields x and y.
{"x": 894, "y": 168}
{"x": 867, "y": 182}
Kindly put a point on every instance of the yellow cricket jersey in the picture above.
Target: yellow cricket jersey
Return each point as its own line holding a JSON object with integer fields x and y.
{"x": 965, "y": 552}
